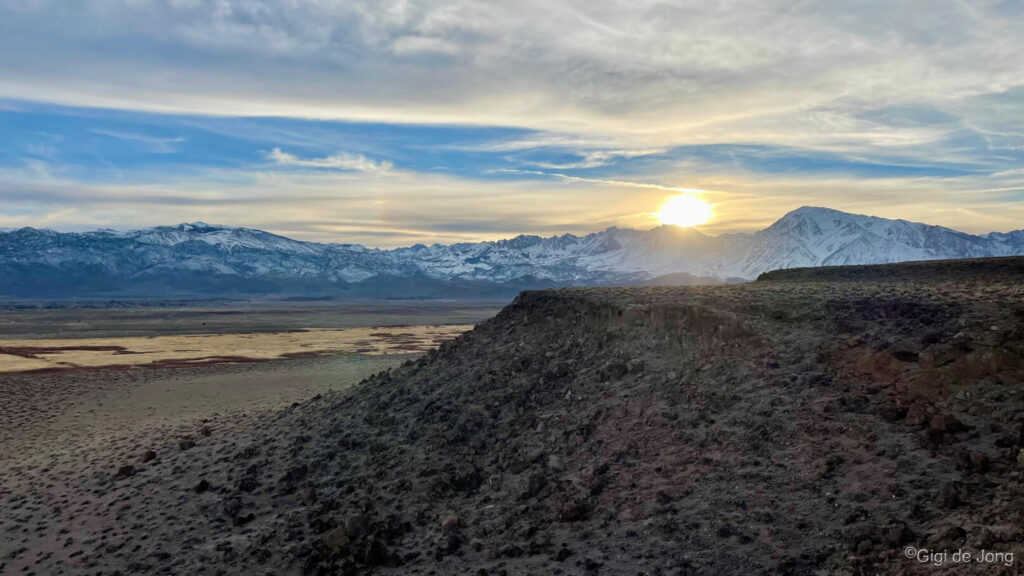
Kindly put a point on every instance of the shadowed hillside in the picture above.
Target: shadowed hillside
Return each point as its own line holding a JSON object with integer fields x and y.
{"x": 778, "y": 427}
{"x": 973, "y": 270}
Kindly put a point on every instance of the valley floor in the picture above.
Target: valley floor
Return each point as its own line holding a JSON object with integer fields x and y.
{"x": 87, "y": 391}
{"x": 63, "y": 427}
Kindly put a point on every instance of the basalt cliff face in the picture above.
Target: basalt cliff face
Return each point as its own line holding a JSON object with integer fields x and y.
{"x": 794, "y": 425}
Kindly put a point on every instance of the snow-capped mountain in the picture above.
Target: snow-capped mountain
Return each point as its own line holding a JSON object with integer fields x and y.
{"x": 200, "y": 258}
{"x": 810, "y": 236}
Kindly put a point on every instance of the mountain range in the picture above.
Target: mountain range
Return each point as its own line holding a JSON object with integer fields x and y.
{"x": 202, "y": 259}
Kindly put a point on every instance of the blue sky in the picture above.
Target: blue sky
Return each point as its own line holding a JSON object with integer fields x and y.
{"x": 396, "y": 122}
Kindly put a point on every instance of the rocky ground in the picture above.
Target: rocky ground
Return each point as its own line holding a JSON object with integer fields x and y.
{"x": 797, "y": 425}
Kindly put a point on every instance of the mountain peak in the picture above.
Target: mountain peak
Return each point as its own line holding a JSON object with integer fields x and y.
{"x": 200, "y": 256}
{"x": 808, "y": 208}
{"x": 199, "y": 225}
{"x": 817, "y": 212}
{"x": 674, "y": 229}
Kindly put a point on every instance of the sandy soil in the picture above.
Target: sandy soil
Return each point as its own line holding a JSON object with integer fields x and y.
{"x": 49, "y": 410}
{"x": 61, "y": 425}
{"x": 41, "y": 354}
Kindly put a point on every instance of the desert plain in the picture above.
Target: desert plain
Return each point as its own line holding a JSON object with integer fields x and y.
{"x": 85, "y": 384}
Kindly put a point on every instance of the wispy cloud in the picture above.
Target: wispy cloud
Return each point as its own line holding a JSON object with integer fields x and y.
{"x": 597, "y": 158}
{"x": 584, "y": 151}
{"x": 154, "y": 144}
{"x": 606, "y": 181}
{"x": 340, "y": 161}
{"x": 408, "y": 45}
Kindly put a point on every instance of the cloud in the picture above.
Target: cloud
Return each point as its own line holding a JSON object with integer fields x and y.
{"x": 587, "y": 151}
{"x": 45, "y": 151}
{"x": 597, "y": 158}
{"x": 154, "y": 144}
{"x": 660, "y": 73}
{"x": 766, "y": 104}
{"x": 608, "y": 181}
{"x": 408, "y": 45}
{"x": 341, "y": 161}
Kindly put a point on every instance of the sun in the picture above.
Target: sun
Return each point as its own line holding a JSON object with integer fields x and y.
{"x": 685, "y": 210}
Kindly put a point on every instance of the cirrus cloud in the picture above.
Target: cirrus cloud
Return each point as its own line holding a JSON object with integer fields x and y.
{"x": 340, "y": 161}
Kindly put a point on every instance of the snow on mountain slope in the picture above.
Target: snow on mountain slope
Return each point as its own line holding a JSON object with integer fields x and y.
{"x": 209, "y": 258}
{"x": 1008, "y": 243}
{"x": 225, "y": 237}
{"x": 811, "y": 236}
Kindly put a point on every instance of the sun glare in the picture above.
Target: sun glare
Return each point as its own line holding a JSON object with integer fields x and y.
{"x": 685, "y": 210}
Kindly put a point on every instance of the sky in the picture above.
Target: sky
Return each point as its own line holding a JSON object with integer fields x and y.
{"x": 394, "y": 122}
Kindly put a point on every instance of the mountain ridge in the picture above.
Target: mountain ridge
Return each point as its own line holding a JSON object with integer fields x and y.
{"x": 200, "y": 258}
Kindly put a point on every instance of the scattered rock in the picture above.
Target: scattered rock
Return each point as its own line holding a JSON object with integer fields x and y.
{"x": 613, "y": 371}
{"x": 556, "y": 371}
{"x": 962, "y": 340}
{"x": 248, "y": 484}
{"x": 949, "y": 538}
{"x": 309, "y": 496}
{"x": 571, "y": 510}
{"x": 906, "y": 351}
{"x": 374, "y": 552}
{"x": 356, "y": 525}
{"x": 555, "y": 463}
{"x": 985, "y": 539}
{"x": 449, "y": 525}
{"x": 898, "y": 534}
{"x": 452, "y": 543}
{"x": 946, "y": 422}
{"x": 535, "y": 482}
{"x": 917, "y": 414}
{"x": 562, "y": 553}
{"x": 232, "y": 506}
{"x": 510, "y": 550}
{"x": 954, "y": 494}
{"x": 294, "y": 475}
{"x": 337, "y": 539}
{"x": 979, "y": 462}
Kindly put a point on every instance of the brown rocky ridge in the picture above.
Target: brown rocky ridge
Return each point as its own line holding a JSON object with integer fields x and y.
{"x": 801, "y": 424}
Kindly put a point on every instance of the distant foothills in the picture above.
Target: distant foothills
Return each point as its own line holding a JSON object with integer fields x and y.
{"x": 201, "y": 260}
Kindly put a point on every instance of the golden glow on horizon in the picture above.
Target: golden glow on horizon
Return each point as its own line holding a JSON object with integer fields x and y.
{"x": 685, "y": 210}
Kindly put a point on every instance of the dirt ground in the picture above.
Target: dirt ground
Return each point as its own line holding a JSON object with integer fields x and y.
{"x": 77, "y": 353}
{"x": 147, "y": 319}
{"x": 73, "y": 394}
{"x": 856, "y": 424}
